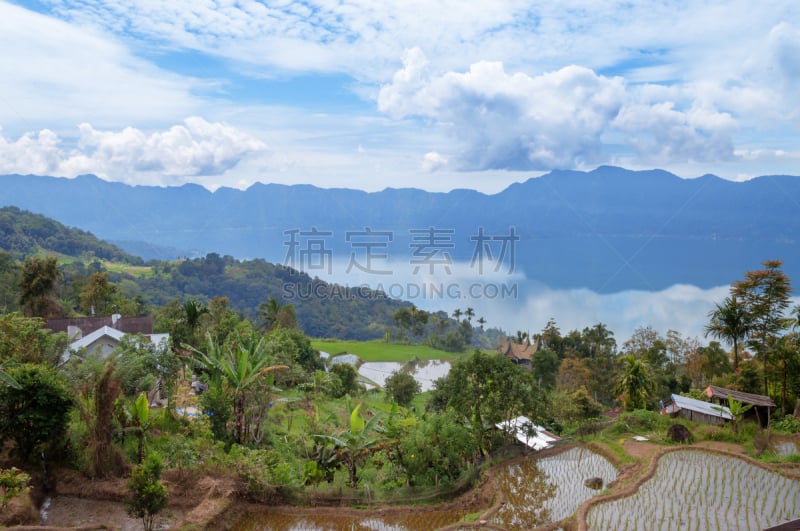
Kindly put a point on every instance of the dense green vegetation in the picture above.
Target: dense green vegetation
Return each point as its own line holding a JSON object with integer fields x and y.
{"x": 286, "y": 426}
{"x": 23, "y": 233}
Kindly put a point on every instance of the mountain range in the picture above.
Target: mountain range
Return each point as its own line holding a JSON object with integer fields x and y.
{"x": 607, "y": 230}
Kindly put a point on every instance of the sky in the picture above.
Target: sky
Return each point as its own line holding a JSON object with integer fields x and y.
{"x": 371, "y": 94}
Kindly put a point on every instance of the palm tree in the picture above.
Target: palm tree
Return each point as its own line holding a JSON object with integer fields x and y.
{"x": 192, "y": 311}
{"x": 457, "y": 313}
{"x": 634, "y": 383}
{"x": 237, "y": 368}
{"x": 728, "y": 321}
{"x": 481, "y": 322}
{"x": 268, "y": 311}
{"x": 469, "y": 313}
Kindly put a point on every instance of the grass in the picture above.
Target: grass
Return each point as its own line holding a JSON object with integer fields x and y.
{"x": 382, "y": 351}
{"x": 132, "y": 270}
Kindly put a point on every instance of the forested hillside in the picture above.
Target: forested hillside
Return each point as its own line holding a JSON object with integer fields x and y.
{"x": 24, "y": 233}
{"x": 94, "y": 274}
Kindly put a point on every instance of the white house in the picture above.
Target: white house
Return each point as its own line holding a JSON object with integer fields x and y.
{"x": 105, "y": 340}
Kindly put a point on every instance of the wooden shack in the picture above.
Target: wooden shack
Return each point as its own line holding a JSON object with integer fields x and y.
{"x": 696, "y": 410}
{"x": 762, "y": 405}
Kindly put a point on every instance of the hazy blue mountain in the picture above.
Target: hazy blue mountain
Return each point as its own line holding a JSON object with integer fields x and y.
{"x": 607, "y": 230}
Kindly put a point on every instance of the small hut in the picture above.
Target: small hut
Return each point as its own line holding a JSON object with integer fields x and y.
{"x": 762, "y": 405}
{"x": 697, "y": 410}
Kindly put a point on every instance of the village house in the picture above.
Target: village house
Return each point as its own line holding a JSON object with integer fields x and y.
{"x": 519, "y": 353}
{"x": 102, "y": 335}
{"x": 762, "y": 405}
{"x": 696, "y": 410}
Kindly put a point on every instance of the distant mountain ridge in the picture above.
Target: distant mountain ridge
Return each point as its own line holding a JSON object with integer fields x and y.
{"x": 609, "y": 229}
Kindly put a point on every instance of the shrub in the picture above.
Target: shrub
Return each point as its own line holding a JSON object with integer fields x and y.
{"x": 36, "y": 415}
{"x": 148, "y": 494}
{"x": 787, "y": 424}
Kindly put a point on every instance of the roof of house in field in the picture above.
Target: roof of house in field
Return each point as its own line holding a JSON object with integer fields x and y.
{"x": 698, "y": 406}
{"x": 512, "y": 350}
{"x": 87, "y": 325}
{"x": 720, "y": 393}
{"x": 112, "y": 333}
{"x": 528, "y": 433}
{"x": 105, "y": 331}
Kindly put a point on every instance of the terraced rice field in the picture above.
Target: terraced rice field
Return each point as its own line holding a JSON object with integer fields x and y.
{"x": 543, "y": 490}
{"x": 692, "y": 489}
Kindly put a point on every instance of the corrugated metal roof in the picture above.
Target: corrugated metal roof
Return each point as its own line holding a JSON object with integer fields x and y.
{"x": 519, "y": 427}
{"x": 699, "y": 406}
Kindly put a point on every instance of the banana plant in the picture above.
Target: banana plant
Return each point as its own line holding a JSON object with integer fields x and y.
{"x": 140, "y": 421}
{"x": 355, "y": 444}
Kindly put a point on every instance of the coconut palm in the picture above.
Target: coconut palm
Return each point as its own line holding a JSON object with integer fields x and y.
{"x": 728, "y": 321}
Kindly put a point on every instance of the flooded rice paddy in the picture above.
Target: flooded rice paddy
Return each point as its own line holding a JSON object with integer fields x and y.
{"x": 549, "y": 489}
{"x": 288, "y": 521}
{"x": 692, "y": 489}
{"x": 537, "y": 491}
{"x": 425, "y": 372}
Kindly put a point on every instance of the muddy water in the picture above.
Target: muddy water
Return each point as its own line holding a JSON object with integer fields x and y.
{"x": 349, "y": 520}
{"x": 549, "y": 489}
{"x": 537, "y": 491}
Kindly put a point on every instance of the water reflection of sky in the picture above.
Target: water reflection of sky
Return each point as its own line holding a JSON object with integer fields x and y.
{"x": 425, "y": 372}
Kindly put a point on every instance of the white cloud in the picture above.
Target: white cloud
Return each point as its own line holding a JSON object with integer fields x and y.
{"x": 58, "y": 74}
{"x": 196, "y": 148}
{"x": 433, "y": 161}
{"x": 557, "y": 119}
{"x": 506, "y": 120}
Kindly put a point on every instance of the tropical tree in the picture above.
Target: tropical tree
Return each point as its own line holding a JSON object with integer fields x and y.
{"x": 469, "y": 313}
{"x": 402, "y": 387}
{"x": 192, "y": 312}
{"x": 97, "y": 295}
{"x": 634, "y": 383}
{"x": 485, "y": 389}
{"x": 35, "y": 414}
{"x": 457, "y": 313}
{"x": 481, "y": 322}
{"x": 357, "y": 443}
{"x": 138, "y": 411}
{"x": 764, "y": 294}
{"x": 40, "y": 277}
{"x": 728, "y": 321}
{"x": 737, "y": 410}
{"x": 238, "y": 368}
{"x": 268, "y": 313}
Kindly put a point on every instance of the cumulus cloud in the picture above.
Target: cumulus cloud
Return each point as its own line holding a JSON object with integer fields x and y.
{"x": 557, "y": 119}
{"x": 433, "y": 161}
{"x": 509, "y": 121}
{"x": 193, "y": 149}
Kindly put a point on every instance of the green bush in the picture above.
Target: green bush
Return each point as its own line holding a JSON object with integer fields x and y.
{"x": 787, "y": 424}
{"x": 36, "y": 415}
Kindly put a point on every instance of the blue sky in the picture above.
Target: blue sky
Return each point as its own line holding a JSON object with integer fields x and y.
{"x": 368, "y": 94}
